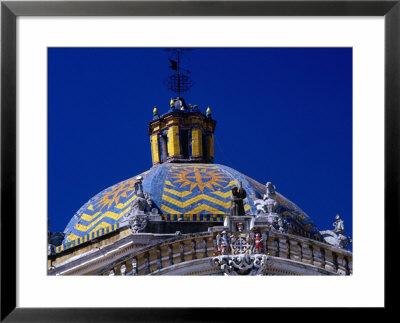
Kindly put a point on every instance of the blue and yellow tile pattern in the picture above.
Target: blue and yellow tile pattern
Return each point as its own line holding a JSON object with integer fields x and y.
{"x": 86, "y": 238}
{"x": 181, "y": 192}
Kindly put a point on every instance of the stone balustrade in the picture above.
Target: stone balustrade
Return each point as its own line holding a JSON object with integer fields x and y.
{"x": 307, "y": 251}
{"x": 163, "y": 255}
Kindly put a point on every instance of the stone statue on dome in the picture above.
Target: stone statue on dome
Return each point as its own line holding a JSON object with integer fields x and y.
{"x": 238, "y": 195}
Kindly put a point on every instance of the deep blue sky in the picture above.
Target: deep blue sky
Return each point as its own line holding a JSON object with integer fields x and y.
{"x": 283, "y": 115}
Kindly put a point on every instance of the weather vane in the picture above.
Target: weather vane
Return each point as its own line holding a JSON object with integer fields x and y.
{"x": 178, "y": 82}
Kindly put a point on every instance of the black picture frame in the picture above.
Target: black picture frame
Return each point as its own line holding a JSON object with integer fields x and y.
{"x": 10, "y": 10}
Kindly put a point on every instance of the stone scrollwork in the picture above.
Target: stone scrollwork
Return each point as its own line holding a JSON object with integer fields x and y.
{"x": 250, "y": 265}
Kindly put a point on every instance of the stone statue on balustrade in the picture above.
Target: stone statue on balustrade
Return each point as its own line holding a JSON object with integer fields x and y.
{"x": 338, "y": 225}
{"x": 267, "y": 205}
{"x": 268, "y": 211}
{"x": 336, "y": 236}
{"x": 237, "y": 205}
{"x": 258, "y": 243}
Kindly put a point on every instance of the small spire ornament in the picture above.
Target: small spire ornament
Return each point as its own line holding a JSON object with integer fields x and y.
{"x": 208, "y": 112}
{"x": 155, "y": 112}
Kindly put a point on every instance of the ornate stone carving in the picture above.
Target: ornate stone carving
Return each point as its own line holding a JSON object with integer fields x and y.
{"x": 241, "y": 243}
{"x": 258, "y": 243}
{"x": 280, "y": 224}
{"x": 336, "y": 236}
{"x": 268, "y": 211}
{"x": 239, "y": 227}
{"x": 138, "y": 223}
{"x": 238, "y": 195}
{"x": 267, "y": 205}
{"x": 338, "y": 224}
{"x": 142, "y": 210}
{"x": 250, "y": 265}
{"x": 223, "y": 243}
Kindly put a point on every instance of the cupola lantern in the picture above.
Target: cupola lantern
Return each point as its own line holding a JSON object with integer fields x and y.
{"x": 184, "y": 134}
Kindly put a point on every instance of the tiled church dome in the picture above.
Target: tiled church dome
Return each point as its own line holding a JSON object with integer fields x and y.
{"x": 182, "y": 192}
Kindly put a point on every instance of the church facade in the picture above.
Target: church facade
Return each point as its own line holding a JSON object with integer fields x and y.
{"x": 190, "y": 216}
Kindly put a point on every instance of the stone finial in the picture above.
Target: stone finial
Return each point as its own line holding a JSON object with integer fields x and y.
{"x": 155, "y": 112}
{"x": 179, "y": 104}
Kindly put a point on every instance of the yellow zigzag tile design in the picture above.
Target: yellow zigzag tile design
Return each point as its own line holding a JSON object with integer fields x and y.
{"x": 169, "y": 183}
{"x": 168, "y": 210}
{"x": 108, "y": 214}
{"x": 196, "y": 199}
{"x": 88, "y": 217}
{"x": 196, "y": 210}
{"x": 179, "y": 194}
{"x": 222, "y": 194}
{"x": 232, "y": 183}
{"x": 123, "y": 205}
